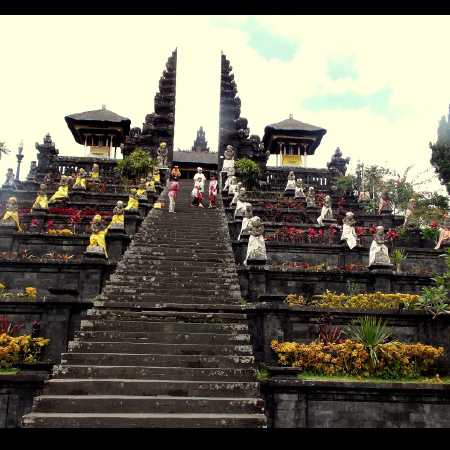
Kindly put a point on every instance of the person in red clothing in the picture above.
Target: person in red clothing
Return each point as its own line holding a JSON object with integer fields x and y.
{"x": 212, "y": 191}
{"x": 197, "y": 195}
{"x": 174, "y": 187}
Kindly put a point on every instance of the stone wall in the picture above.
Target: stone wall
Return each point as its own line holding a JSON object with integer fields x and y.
{"x": 293, "y": 403}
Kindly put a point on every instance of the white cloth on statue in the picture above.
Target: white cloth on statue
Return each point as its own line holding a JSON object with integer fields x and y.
{"x": 201, "y": 179}
{"x": 227, "y": 165}
{"x": 235, "y": 198}
{"x": 349, "y": 234}
{"x": 240, "y": 208}
{"x": 244, "y": 226}
{"x": 374, "y": 249}
{"x": 256, "y": 248}
{"x": 299, "y": 192}
{"x": 323, "y": 213}
{"x": 232, "y": 189}
{"x": 290, "y": 185}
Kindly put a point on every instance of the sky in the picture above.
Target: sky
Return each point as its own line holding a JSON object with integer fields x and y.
{"x": 378, "y": 84}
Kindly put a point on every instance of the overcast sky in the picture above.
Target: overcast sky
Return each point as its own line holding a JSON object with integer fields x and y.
{"x": 378, "y": 84}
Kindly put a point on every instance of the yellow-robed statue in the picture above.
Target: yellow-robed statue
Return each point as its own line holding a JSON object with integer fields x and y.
{"x": 95, "y": 174}
{"x": 118, "y": 219}
{"x": 12, "y": 213}
{"x": 41, "y": 201}
{"x": 63, "y": 191}
{"x": 80, "y": 180}
{"x": 97, "y": 240}
{"x": 133, "y": 202}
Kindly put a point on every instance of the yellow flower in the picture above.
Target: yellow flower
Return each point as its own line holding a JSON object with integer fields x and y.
{"x": 31, "y": 292}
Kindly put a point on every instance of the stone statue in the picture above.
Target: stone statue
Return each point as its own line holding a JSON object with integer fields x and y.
{"x": 141, "y": 191}
{"x": 379, "y": 254}
{"x": 326, "y": 213}
{"x": 233, "y": 185}
{"x": 228, "y": 161}
{"x": 348, "y": 230}
{"x": 236, "y": 193}
{"x": 290, "y": 185}
{"x": 241, "y": 205}
{"x": 63, "y": 190}
{"x": 338, "y": 163}
{"x": 311, "y": 198}
{"x": 80, "y": 180}
{"x": 162, "y": 155}
{"x": 248, "y": 214}
{"x": 256, "y": 249}
{"x": 33, "y": 170}
{"x": 384, "y": 205}
{"x": 118, "y": 220}
{"x": 11, "y": 215}
{"x": 10, "y": 182}
{"x": 133, "y": 201}
{"x": 444, "y": 232}
{"x": 299, "y": 192}
{"x": 409, "y": 210}
{"x": 150, "y": 184}
{"x": 95, "y": 174}
{"x": 41, "y": 201}
{"x": 97, "y": 240}
{"x": 230, "y": 175}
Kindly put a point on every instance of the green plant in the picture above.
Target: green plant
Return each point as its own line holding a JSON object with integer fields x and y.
{"x": 137, "y": 164}
{"x": 371, "y": 332}
{"x": 429, "y": 233}
{"x": 352, "y": 288}
{"x": 262, "y": 374}
{"x": 248, "y": 171}
{"x": 398, "y": 256}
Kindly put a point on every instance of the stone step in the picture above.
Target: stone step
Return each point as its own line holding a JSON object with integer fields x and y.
{"x": 156, "y": 347}
{"x": 157, "y": 360}
{"x": 158, "y": 316}
{"x": 174, "y": 338}
{"x": 141, "y": 420}
{"x": 205, "y": 304}
{"x": 145, "y": 404}
{"x": 154, "y": 373}
{"x": 163, "y": 327}
{"x": 180, "y": 388}
{"x": 175, "y": 292}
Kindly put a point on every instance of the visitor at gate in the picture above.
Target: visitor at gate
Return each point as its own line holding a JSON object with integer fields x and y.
{"x": 174, "y": 187}
{"x": 197, "y": 195}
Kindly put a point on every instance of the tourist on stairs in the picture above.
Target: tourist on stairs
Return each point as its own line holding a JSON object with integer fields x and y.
{"x": 174, "y": 187}
{"x": 197, "y": 195}
{"x": 212, "y": 192}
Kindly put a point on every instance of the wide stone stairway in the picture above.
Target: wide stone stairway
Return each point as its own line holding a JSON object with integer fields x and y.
{"x": 167, "y": 344}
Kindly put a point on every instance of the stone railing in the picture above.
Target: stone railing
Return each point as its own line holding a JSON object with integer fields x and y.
{"x": 319, "y": 178}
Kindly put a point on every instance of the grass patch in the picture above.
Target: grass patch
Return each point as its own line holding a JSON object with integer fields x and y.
{"x": 349, "y": 378}
{"x": 8, "y": 371}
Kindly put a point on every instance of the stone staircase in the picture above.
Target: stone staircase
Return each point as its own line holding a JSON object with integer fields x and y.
{"x": 166, "y": 344}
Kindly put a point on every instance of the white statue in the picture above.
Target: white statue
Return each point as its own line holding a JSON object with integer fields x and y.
{"x": 444, "y": 232}
{"x": 233, "y": 185}
{"x": 326, "y": 212}
{"x": 256, "y": 249}
{"x": 311, "y": 198}
{"x": 348, "y": 230}
{"x": 237, "y": 190}
{"x": 379, "y": 254}
{"x": 240, "y": 203}
{"x": 290, "y": 185}
{"x": 299, "y": 193}
{"x": 230, "y": 175}
{"x": 228, "y": 162}
{"x": 248, "y": 214}
{"x": 409, "y": 210}
{"x": 162, "y": 155}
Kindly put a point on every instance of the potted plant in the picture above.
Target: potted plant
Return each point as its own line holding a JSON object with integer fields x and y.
{"x": 397, "y": 257}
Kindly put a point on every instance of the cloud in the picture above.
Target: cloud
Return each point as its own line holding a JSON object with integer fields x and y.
{"x": 342, "y": 68}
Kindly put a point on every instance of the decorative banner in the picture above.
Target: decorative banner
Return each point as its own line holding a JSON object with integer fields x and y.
{"x": 99, "y": 151}
{"x": 291, "y": 160}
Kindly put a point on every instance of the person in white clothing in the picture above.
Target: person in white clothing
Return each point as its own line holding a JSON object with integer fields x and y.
{"x": 200, "y": 177}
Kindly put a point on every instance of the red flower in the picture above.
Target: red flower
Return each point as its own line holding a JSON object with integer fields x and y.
{"x": 359, "y": 230}
{"x": 50, "y": 224}
{"x": 312, "y": 233}
{"x": 392, "y": 234}
{"x": 434, "y": 225}
{"x": 373, "y": 229}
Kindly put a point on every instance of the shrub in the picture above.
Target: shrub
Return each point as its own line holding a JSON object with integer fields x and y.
{"x": 294, "y": 300}
{"x": 376, "y": 300}
{"x": 14, "y": 350}
{"x": 248, "y": 170}
{"x": 395, "y": 359}
{"x": 136, "y": 165}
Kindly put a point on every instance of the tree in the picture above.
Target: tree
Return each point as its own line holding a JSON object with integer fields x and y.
{"x": 137, "y": 164}
{"x": 440, "y": 152}
{"x": 3, "y": 149}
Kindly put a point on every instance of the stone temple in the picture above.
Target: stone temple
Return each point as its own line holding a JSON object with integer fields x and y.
{"x": 177, "y": 320}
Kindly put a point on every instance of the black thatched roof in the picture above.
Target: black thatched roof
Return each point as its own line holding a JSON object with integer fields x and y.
{"x": 98, "y": 121}
{"x": 98, "y": 115}
{"x": 195, "y": 157}
{"x": 294, "y": 125}
{"x": 291, "y": 129}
